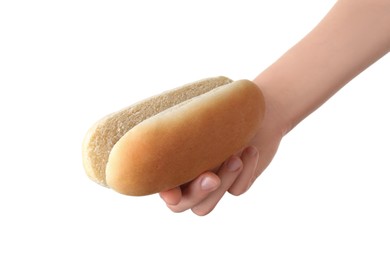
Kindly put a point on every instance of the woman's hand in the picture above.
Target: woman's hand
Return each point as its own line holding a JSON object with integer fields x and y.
{"x": 294, "y": 86}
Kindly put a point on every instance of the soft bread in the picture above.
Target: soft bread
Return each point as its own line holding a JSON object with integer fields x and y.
{"x": 102, "y": 136}
{"x": 169, "y": 139}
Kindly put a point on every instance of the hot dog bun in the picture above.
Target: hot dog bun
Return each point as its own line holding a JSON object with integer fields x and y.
{"x": 169, "y": 139}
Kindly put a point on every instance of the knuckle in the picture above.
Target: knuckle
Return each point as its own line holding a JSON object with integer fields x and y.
{"x": 177, "y": 209}
{"x": 200, "y": 211}
{"x": 237, "y": 191}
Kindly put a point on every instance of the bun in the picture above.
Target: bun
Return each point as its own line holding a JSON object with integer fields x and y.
{"x": 169, "y": 139}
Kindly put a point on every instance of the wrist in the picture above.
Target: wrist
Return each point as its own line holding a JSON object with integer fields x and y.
{"x": 276, "y": 120}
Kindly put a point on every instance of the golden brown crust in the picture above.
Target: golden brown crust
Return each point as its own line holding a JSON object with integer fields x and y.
{"x": 174, "y": 147}
{"x": 102, "y": 136}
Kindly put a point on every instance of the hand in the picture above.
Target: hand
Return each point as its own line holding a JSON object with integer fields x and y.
{"x": 294, "y": 86}
{"x": 202, "y": 194}
{"x": 235, "y": 175}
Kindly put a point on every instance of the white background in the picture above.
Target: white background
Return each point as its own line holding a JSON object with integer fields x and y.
{"x": 65, "y": 64}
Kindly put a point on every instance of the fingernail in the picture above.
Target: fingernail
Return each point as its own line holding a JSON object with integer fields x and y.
{"x": 251, "y": 150}
{"x": 234, "y": 164}
{"x": 208, "y": 184}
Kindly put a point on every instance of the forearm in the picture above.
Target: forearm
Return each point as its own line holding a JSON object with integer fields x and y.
{"x": 352, "y": 36}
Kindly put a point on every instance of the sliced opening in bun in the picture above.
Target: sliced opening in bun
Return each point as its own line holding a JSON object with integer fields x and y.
{"x": 105, "y": 133}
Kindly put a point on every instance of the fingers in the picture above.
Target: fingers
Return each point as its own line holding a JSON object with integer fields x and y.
{"x": 228, "y": 174}
{"x": 195, "y": 192}
{"x": 203, "y": 194}
{"x": 172, "y": 196}
{"x": 249, "y": 157}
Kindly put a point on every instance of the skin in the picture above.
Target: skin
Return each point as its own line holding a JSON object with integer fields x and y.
{"x": 351, "y": 37}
